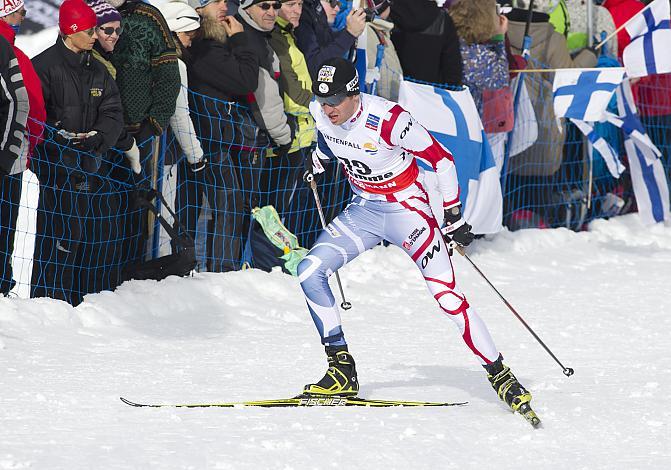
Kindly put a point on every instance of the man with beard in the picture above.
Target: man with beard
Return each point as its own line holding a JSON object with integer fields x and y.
{"x": 222, "y": 68}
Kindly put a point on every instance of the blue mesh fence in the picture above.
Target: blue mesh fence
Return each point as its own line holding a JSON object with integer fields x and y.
{"x": 71, "y": 225}
{"x": 554, "y": 182}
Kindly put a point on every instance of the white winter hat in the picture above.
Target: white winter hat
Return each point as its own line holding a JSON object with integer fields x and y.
{"x": 544, "y": 6}
{"x": 180, "y": 17}
{"x": 10, "y": 6}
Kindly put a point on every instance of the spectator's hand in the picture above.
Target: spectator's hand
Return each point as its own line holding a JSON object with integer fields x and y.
{"x": 356, "y": 22}
{"x": 313, "y": 168}
{"x": 133, "y": 157}
{"x": 156, "y": 128}
{"x": 456, "y": 229}
{"x": 502, "y": 25}
{"x": 90, "y": 141}
{"x": 198, "y": 166}
{"x": 232, "y": 26}
{"x": 67, "y": 138}
{"x": 282, "y": 150}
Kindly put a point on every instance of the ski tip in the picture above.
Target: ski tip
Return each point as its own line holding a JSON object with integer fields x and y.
{"x": 128, "y": 402}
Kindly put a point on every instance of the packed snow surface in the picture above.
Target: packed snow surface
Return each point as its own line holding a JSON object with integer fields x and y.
{"x": 599, "y": 299}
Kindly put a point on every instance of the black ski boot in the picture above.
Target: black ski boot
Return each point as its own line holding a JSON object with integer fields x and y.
{"x": 340, "y": 378}
{"x": 509, "y": 390}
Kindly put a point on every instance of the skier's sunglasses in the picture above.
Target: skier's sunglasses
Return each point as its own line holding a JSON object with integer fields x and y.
{"x": 110, "y": 30}
{"x": 333, "y": 100}
{"x": 268, "y": 6}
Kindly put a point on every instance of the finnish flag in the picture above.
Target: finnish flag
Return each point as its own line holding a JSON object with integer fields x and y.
{"x": 452, "y": 118}
{"x": 650, "y": 32}
{"x": 609, "y": 155}
{"x": 647, "y": 172}
{"x": 584, "y": 94}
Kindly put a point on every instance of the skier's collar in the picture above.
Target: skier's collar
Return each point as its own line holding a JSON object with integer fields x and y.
{"x": 354, "y": 119}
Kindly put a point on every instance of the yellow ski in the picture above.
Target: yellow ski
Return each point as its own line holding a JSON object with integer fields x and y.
{"x": 299, "y": 401}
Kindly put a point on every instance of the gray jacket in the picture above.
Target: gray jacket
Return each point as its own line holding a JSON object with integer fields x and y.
{"x": 267, "y": 103}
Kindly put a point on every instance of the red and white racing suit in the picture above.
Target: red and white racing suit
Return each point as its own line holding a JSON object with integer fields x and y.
{"x": 377, "y": 148}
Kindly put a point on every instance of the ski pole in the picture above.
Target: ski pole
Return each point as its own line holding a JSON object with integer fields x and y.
{"x": 568, "y": 372}
{"x": 313, "y": 185}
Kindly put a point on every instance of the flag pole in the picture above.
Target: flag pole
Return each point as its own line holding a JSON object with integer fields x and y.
{"x": 590, "y": 24}
{"x": 526, "y": 52}
{"x": 622, "y": 26}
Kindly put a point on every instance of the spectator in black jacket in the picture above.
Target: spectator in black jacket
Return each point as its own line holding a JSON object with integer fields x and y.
{"x": 222, "y": 68}
{"x": 426, "y": 42}
{"x": 85, "y": 119}
{"x": 318, "y": 42}
{"x": 13, "y": 115}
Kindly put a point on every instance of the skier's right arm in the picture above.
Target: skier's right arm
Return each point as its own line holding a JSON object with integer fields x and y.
{"x": 314, "y": 162}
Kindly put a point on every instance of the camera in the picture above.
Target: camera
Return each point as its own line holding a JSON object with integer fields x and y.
{"x": 370, "y": 14}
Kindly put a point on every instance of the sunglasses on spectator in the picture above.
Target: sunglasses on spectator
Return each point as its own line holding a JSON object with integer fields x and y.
{"x": 268, "y": 6}
{"x": 334, "y": 3}
{"x": 89, "y": 32}
{"x": 109, "y": 30}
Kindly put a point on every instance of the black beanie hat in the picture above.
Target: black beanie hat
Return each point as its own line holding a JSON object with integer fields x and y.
{"x": 336, "y": 76}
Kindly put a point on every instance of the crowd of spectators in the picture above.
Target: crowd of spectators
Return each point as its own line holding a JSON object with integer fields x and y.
{"x": 231, "y": 80}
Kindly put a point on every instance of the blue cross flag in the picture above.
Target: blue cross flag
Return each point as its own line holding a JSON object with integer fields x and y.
{"x": 650, "y": 32}
{"x": 584, "y": 94}
{"x": 453, "y": 119}
{"x": 647, "y": 172}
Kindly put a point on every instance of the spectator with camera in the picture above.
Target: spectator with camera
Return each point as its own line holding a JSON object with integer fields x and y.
{"x": 318, "y": 41}
{"x": 82, "y": 127}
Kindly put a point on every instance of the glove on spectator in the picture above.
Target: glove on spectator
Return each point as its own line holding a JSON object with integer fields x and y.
{"x": 133, "y": 157}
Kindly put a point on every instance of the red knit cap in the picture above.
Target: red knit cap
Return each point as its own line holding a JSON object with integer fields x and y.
{"x": 75, "y": 16}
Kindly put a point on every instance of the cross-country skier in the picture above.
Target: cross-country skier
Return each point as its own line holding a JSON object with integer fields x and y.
{"x": 377, "y": 141}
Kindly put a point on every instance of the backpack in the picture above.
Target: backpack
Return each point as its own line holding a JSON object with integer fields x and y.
{"x": 272, "y": 244}
{"x": 183, "y": 259}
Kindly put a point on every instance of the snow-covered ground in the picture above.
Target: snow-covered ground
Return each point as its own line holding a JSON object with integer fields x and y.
{"x": 599, "y": 299}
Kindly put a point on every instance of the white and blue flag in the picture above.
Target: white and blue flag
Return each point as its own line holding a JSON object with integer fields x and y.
{"x": 453, "y": 119}
{"x": 609, "y": 155}
{"x": 584, "y": 94}
{"x": 647, "y": 172}
{"x": 650, "y": 32}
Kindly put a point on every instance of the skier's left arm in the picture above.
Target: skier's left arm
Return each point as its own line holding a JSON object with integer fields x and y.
{"x": 401, "y": 129}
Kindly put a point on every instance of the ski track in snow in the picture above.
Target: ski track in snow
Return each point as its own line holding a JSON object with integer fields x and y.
{"x": 599, "y": 300}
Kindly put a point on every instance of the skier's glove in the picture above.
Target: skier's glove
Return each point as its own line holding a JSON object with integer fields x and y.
{"x": 313, "y": 168}
{"x": 456, "y": 229}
